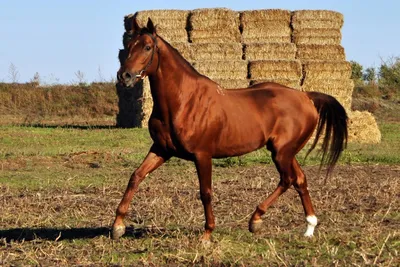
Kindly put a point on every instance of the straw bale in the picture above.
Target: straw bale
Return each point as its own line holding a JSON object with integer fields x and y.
{"x": 184, "y": 49}
{"x": 363, "y": 128}
{"x": 275, "y": 69}
{"x": 320, "y": 69}
{"x": 216, "y": 51}
{"x": 317, "y": 15}
{"x": 268, "y": 31}
{"x": 317, "y": 24}
{"x": 173, "y": 35}
{"x": 261, "y": 26}
{"x": 265, "y": 15}
{"x": 215, "y": 18}
{"x": 163, "y": 18}
{"x": 337, "y": 86}
{"x": 269, "y": 51}
{"x": 232, "y": 83}
{"x": 222, "y": 69}
{"x": 292, "y": 83}
{"x": 212, "y": 36}
{"x": 317, "y": 36}
{"x": 320, "y": 52}
{"x": 264, "y": 39}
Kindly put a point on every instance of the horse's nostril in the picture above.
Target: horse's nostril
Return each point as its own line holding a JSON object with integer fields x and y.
{"x": 126, "y": 76}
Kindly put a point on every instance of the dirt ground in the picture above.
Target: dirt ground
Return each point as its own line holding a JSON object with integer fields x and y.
{"x": 358, "y": 210}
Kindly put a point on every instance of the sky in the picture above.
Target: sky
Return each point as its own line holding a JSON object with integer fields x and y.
{"x": 58, "y": 39}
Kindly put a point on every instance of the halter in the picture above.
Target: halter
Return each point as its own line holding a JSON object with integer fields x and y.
{"x": 140, "y": 75}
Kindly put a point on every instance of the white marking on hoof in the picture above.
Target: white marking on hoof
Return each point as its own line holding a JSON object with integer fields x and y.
{"x": 118, "y": 231}
{"x": 311, "y": 223}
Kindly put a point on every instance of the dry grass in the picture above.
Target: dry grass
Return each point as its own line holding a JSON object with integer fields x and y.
{"x": 320, "y": 52}
{"x": 270, "y": 51}
{"x": 363, "y": 128}
{"x": 275, "y": 69}
{"x": 331, "y": 70}
{"x": 222, "y": 69}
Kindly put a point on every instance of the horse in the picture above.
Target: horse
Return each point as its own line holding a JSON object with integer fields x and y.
{"x": 193, "y": 118}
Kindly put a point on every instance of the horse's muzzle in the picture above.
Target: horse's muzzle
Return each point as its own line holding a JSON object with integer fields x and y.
{"x": 128, "y": 79}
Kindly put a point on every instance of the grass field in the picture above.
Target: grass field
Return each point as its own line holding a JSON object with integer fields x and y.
{"x": 60, "y": 186}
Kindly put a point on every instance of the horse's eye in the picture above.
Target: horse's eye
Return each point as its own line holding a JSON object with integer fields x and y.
{"x": 147, "y": 48}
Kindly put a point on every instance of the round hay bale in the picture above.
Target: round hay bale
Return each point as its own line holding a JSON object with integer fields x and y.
{"x": 269, "y": 51}
{"x": 320, "y": 52}
{"x": 317, "y": 36}
{"x": 363, "y": 128}
{"x": 320, "y": 69}
{"x": 222, "y": 69}
{"x": 275, "y": 69}
{"x": 265, "y": 15}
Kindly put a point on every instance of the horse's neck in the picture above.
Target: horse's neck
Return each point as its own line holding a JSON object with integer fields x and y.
{"x": 173, "y": 79}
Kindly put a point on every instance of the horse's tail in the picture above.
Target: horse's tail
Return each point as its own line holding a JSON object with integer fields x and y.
{"x": 332, "y": 120}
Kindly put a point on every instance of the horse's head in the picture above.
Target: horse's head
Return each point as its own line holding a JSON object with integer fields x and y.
{"x": 139, "y": 56}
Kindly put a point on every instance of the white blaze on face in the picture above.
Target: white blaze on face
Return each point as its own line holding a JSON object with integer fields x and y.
{"x": 311, "y": 223}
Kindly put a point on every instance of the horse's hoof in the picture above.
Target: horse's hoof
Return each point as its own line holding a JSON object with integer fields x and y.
{"x": 118, "y": 231}
{"x": 255, "y": 226}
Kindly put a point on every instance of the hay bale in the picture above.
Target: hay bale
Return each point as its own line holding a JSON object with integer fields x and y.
{"x": 173, "y": 35}
{"x": 214, "y": 36}
{"x": 322, "y": 15}
{"x": 216, "y": 51}
{"x": 266, "y": 31}
{"x": 363, "y": 128}
{"x": 317, "y": 24}
{"x": 269, "y": 51}
{"x": 341, "y": 89}
{"x": 317, "y": 36}
{"x": 222, "y": 69}
{"x": 265, "y": 15}
{"x": 269, "y": 39}
{"x": 275, "y": 69}
{"x": 162, "y": 18}
{"x": 232, "y": 83}
{"x": 292, "y": 83}
{"x": 215, "y": 18}
{"x": 320, "y": 69}
{"x": 320, "y": 52}
{"x": 184, "y": 49}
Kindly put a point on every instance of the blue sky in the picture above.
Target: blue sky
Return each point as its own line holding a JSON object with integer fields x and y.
{"x": 58, "y": 38}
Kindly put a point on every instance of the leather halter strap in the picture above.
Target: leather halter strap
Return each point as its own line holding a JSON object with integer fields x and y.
{"x": 140, "y": 74}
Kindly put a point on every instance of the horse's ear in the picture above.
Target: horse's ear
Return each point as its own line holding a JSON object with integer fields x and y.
{"x": 150, "y": 26}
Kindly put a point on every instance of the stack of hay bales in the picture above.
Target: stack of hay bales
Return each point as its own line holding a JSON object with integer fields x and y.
{"x": 300, "y": 49}
{"x": 267, "y": 46}
{"x": 317, "y": 36}
{"x": 216, "y": 51}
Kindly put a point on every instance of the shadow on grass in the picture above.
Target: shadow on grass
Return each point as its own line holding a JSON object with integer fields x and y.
{"x": 57, "y": 234}
{"x": 67, "y": 126}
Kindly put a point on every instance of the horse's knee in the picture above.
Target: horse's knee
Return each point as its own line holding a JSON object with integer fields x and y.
{"x": 206, "y": 196}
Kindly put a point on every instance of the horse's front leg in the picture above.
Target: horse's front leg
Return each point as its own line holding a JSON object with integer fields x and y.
{"x": 204, "y": 169}
{"x": 154, "y": 159}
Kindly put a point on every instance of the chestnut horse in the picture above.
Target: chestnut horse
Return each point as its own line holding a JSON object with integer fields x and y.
{"x": 193, "y": 118}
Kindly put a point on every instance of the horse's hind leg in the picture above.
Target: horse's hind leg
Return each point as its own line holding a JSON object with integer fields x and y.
{"x": 282, "y": 158}
{"x": 300, "y": 184}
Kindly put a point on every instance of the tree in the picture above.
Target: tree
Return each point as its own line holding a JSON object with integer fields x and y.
{"x": 356, "y": 71}
{"x": 13, "y": 73}
{"x": 369, "y": 75}
{"x": 389, "y": 73}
